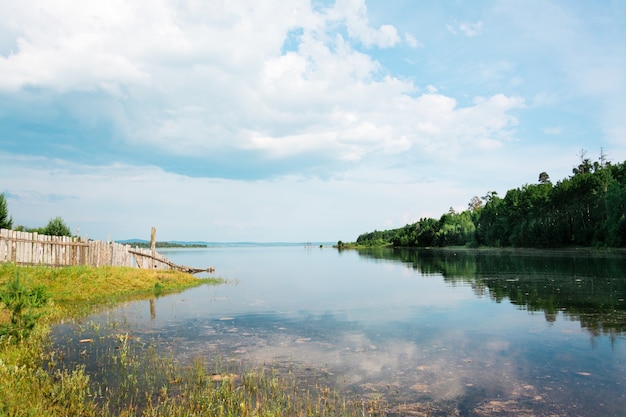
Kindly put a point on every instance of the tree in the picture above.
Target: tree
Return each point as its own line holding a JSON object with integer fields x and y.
{"x": 22, "y": 303}
{"x": 491, "y": 196}
{"x": 604, "y": 162}
{"x": 585, "y": 166}
{"x": 475, "y": 204}
{"x": 615, "y": 224}
{"x": 6, "y": 221}
{"x": 544, "y": 178}
{"x": 57, "y": 227}
{"x": 585, "y": 209}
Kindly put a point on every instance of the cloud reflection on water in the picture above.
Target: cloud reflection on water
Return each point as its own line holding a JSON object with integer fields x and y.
{"x": 430, "y": 366}
{"x": 373, "y": 326}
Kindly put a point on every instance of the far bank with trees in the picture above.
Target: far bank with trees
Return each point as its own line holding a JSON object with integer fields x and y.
{"x": 587, "y": 209}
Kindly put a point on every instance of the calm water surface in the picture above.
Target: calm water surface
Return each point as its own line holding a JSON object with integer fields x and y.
{"x": 467, "y": 332}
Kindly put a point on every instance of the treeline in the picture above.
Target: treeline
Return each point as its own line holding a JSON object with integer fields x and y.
{"x": 586, "y": 209}
{"x": 143, "y": 244}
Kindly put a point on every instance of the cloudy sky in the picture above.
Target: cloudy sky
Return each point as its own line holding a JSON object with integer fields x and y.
{"x": 296, "y": 120}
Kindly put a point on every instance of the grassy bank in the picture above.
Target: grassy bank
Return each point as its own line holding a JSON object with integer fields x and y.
{"x": 77, "y": 290}
{"x": 136, "y": 380}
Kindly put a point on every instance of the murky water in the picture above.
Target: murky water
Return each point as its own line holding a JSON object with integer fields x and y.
{"x": 467, "y": 332}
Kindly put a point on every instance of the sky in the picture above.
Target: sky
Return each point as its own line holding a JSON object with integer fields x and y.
{"x": 298, "y": 120}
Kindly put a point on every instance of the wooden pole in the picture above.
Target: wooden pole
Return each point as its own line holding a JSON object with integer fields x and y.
{"x": 153, "y": 245}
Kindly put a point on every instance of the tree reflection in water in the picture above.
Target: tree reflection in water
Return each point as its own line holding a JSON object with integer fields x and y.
{"x": 586, "y": 286}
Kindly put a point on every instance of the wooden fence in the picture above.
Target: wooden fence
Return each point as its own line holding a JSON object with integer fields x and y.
{"x": 24, "y": 248}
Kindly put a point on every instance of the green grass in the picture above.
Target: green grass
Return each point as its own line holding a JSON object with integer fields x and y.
{"x": 134, "y": 379}
{"x": 77, "y": 290}
{"x": 83, "y": 284}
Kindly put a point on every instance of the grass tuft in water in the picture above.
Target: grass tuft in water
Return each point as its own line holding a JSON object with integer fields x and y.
{"x": 134, "y": 379}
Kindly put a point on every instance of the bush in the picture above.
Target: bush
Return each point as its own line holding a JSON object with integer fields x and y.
{"x": 57, "y": 227}
{"x": 22, "y": 303}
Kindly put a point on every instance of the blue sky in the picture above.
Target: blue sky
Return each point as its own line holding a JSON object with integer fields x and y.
{"x": 299, "y": 120}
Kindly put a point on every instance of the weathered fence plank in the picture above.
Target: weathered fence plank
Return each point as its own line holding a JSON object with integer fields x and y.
{"x": 4, "y": 242}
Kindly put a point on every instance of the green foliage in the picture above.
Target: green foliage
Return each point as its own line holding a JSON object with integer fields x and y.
{"x": 375, "y": 238}
{"x": 6, "y": 221}
{"x": 452, "y": 229}
{"x": 57, "y": 227}
{"x": 615, "y": 226}
{"x": 22, "y": 303}
{"x": 586, "y": 209}
{"x": 544, "y": 178}
{"x": 21, "y": 228}
{"x": 158, "y": 289}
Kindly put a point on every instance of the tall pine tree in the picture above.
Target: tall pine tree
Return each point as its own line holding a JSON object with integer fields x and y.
{"x": 6, "y": 221}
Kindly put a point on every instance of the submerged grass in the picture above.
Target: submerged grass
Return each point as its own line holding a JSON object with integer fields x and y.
{"x": 134, "y": 379}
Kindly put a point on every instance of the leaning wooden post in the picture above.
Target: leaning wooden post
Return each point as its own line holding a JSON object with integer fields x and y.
{"x": 153, "y": 246}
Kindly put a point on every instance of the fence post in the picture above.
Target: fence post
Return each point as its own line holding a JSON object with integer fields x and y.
{"x": 153, "y": 246}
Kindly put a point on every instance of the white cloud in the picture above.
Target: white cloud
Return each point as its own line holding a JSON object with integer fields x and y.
{"x": 68, "y": 46}
{"x": 466, "y": 28}
{"x": 471, "y": 29}
{"x": 451, "y": 29}
{"x": 412, "y": 41}
{"x": 189, "y": 83}
{"x": 354, "y": 12}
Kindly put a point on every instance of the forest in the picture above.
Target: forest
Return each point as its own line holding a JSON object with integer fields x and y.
{"x": 587, "y": 209}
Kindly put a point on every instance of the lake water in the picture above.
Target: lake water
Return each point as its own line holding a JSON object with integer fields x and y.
{"x": 466, "y": 332}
